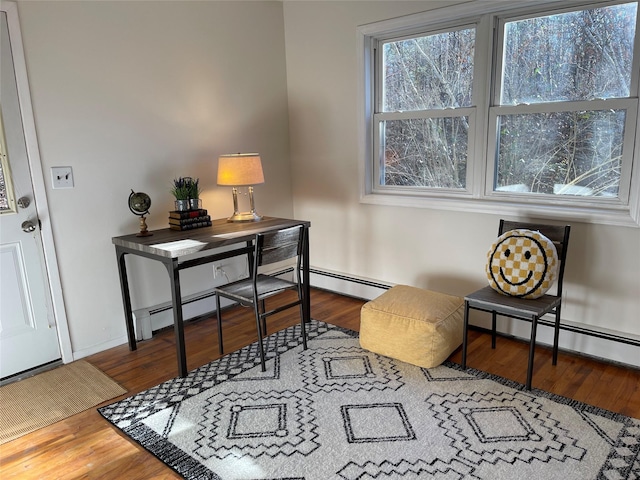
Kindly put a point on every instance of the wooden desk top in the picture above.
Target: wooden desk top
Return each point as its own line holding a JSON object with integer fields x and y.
{"x": 169, "y": 243}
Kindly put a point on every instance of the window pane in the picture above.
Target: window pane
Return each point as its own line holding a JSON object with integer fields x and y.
{"x": 427, "y": 152}
{"x": 573, "y": 153}
{"x": 430, "y": 72}
{"x": 4, "y": 200}
{"x": 5, "y": 192}
{"x": 571, "y": 56}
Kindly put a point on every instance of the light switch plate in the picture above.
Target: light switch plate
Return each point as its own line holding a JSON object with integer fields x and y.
{"x": 62, "y": 177}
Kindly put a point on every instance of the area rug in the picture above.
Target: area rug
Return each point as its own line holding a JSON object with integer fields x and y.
{"x": 336, "y": 411}
{"x": 51, "y": 396}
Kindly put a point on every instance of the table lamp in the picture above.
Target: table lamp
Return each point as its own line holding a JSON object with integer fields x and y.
{"x": 241, "y": 170}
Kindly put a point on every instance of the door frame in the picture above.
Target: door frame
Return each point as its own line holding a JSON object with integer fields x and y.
{"x": 52, "y": 275}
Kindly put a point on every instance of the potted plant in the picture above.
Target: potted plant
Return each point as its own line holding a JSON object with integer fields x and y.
{"x": 186, "y": 191}
{"x": 181, "y": 189}
{"x": 194, "y": 193}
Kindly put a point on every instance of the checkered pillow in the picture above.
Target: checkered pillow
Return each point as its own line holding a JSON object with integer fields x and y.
{"x": 522, "y": 263}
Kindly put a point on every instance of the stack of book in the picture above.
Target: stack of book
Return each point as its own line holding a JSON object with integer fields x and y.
{"x": 189, "y": 220}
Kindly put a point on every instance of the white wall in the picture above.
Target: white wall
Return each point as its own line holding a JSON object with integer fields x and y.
{"x": 132, "y": 95}
{"x": 439, "y": 250}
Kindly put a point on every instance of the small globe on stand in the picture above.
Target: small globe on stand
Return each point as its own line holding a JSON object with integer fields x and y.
{"x": 139, "y": 204}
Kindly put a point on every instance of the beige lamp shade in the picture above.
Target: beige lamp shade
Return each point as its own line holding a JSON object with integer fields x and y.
{"x": 240, "y": 169}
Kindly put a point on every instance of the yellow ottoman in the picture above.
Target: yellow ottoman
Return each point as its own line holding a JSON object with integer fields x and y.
{"x": 411, "y": 324}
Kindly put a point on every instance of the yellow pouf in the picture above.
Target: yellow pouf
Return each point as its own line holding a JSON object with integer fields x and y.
{"x": 414, "y": 325}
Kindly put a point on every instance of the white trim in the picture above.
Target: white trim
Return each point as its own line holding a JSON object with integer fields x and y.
{"x": 365, "y": 102}
{"x": 345, "y": 286}
{"x": 469, "y": 9}
{"x": 101, "y": 347}
{"x": 150, "y": 319}
{"x": 37, "y": 179}
{"x": 513, "y": 209}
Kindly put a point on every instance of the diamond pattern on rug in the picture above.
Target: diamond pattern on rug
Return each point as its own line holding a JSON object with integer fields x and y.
{"x": 257, "y": 423}
{"x": 252, "y": 421}
{"x": 497, "y": 424}
{"x": 378, "y": 422}
{"x": 483, "y": 430}
{"x": 336, "y": 411}
{"x": 325, "y": 369}
{"x": 357, "y": 366}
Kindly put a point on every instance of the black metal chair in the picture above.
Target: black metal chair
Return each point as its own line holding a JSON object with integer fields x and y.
{"x": 269, "y": 248}
{"x": 488, "y": 300}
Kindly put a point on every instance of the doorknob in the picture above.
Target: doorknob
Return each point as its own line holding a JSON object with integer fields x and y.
{"x": 28, "y": 226}
{"x": 24, "y": 202}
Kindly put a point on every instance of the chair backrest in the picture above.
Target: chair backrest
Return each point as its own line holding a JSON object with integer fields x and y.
{"x": 558, "y": 234}
{"x": 272, "y": 247}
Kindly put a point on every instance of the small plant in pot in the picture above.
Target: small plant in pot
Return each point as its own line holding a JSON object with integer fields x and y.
{"x": 194, "y": 193}
{"x": 185, "y": 189}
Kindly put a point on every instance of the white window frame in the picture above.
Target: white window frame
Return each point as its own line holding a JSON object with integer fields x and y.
{"x": 479, "y": 196}
{"x": 379, "y": 116}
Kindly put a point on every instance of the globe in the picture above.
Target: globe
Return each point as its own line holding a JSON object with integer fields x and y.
{"x": 139, "y": 203}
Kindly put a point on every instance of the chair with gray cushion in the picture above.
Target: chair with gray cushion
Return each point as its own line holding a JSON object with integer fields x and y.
{"x": 269, "y": 248}
{"x": 489, "y": 300}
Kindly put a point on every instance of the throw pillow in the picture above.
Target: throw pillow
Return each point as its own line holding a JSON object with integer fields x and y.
{"x": 522, "y": 263}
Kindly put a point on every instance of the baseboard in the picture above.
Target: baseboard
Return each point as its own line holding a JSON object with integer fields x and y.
{"x": 608, "y": 345}
{"x": 85, "y": 352}
{"x": 150, "y": 319}
{"x": 195, "y": 306}
{"x": 574, "y": 337}
{"x": 358, "y": 287}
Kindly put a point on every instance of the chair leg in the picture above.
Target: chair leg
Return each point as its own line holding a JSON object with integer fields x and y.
{"x": 532, "y": 351}
{"x": 264, "y": 319}
{"x": 493, "y": 329}
{"x": 303, "y": 328}
{"x": 259, "y": 330}
{"x": 465, "y": 326}
{"x": 219, "y": 317}
{"x": 556, "y": 336}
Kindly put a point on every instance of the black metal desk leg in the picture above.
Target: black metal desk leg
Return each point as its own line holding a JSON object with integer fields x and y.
{"x": 250, "y": 258}
{"x": 178, "y": 324}
{"x": 465, "y": 327}
{"x": 126, "y": 298}
{"x": 305, "y": 311}
{"x": 305, "y": 276}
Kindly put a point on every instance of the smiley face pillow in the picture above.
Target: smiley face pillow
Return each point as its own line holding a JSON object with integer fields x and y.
{"x": 522, "y": 263}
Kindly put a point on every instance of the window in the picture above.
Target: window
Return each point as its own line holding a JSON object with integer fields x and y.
{"x": 425, "y": 108}
{"x": 534, "y": 106}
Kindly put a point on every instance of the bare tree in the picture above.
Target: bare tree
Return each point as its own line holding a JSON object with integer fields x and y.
{"x": 555, "y": 59}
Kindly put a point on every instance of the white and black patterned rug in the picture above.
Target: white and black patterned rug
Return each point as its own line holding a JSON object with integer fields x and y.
{"x": 336, "y": 411}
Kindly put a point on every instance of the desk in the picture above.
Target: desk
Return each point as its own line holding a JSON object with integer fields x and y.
{"x": 178, "y": 250}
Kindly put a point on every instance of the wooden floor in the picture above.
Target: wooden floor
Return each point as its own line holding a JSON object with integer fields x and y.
{"x": 87, "y": 446}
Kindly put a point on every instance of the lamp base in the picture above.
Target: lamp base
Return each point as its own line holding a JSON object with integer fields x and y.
{"x": 245, "y": 217}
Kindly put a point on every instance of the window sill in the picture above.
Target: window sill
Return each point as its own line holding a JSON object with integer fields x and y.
{"x": 617, "y": 216}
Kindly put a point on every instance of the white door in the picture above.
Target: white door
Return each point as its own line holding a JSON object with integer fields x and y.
{"x": 28, "y": 335}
